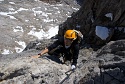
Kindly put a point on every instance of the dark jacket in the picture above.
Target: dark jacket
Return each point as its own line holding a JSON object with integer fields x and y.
{"x": 71, "y": 52}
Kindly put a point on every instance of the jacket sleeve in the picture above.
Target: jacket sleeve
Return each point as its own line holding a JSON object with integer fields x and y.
{"x": 55, "y": 44}
{"x": 75, "y": 54}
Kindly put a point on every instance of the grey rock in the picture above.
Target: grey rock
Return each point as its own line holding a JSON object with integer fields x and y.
{"x": 94, "y": 13}
{"x": 104, "y": 66}
{"x": 92, "y": 67}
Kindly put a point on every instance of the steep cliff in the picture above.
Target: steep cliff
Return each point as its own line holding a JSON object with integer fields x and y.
{"x": 105, "y": 16}
{"x": 107, "y": 66}
{"x": 104, "y": 66}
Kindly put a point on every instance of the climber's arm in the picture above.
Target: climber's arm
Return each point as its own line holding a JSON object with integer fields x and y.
{"x": 41, "y": 53}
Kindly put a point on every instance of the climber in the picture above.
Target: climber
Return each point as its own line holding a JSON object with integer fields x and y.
{"x": 68, "y": 46}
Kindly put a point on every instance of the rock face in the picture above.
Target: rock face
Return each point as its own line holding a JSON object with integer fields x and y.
{"x": 111, "y": 65}
{"x": 106, "y": 66}
{"x": 94, "y": 13}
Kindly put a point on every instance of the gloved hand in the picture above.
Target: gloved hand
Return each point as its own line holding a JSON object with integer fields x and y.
{"x": 73, "y": 67}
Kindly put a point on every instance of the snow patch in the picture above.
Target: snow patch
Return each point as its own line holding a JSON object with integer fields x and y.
{"x": 52, "y": 31}
{"x": 38, "y": 12}
{"x": 22, "y": 44}
{"x": 48, "y": 20}
{"x": 58, "y": 5}
{"x": 5, "y": 51}
{"x": 26, "y": 20}
{"x": 102, "y": 32}
{"x": 11, "y": 2}
{"x": 18, "y": 28}
{"x": 42, "y": 34}
{"x": 109, "y": 15}
{"x": 10, "y": 13}
{"x": 22, "y": 9}
{"x": 11, "y": 9}
{"x": 39, "y": 34}
{"x": 75, "y": 8}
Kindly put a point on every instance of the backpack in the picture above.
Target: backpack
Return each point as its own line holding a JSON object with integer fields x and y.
{"x": 79, "y": 36}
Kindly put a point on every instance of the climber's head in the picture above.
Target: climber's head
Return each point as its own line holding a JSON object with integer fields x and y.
{"x": 69, "y": 36}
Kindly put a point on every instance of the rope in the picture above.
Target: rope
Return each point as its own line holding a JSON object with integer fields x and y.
{"x": 68, "y": 75}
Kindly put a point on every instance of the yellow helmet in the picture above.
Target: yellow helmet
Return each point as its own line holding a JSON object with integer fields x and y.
{"x": 70, "y": 34}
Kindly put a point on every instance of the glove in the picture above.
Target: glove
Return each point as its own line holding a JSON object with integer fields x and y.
{"x": 73, "y": 67}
